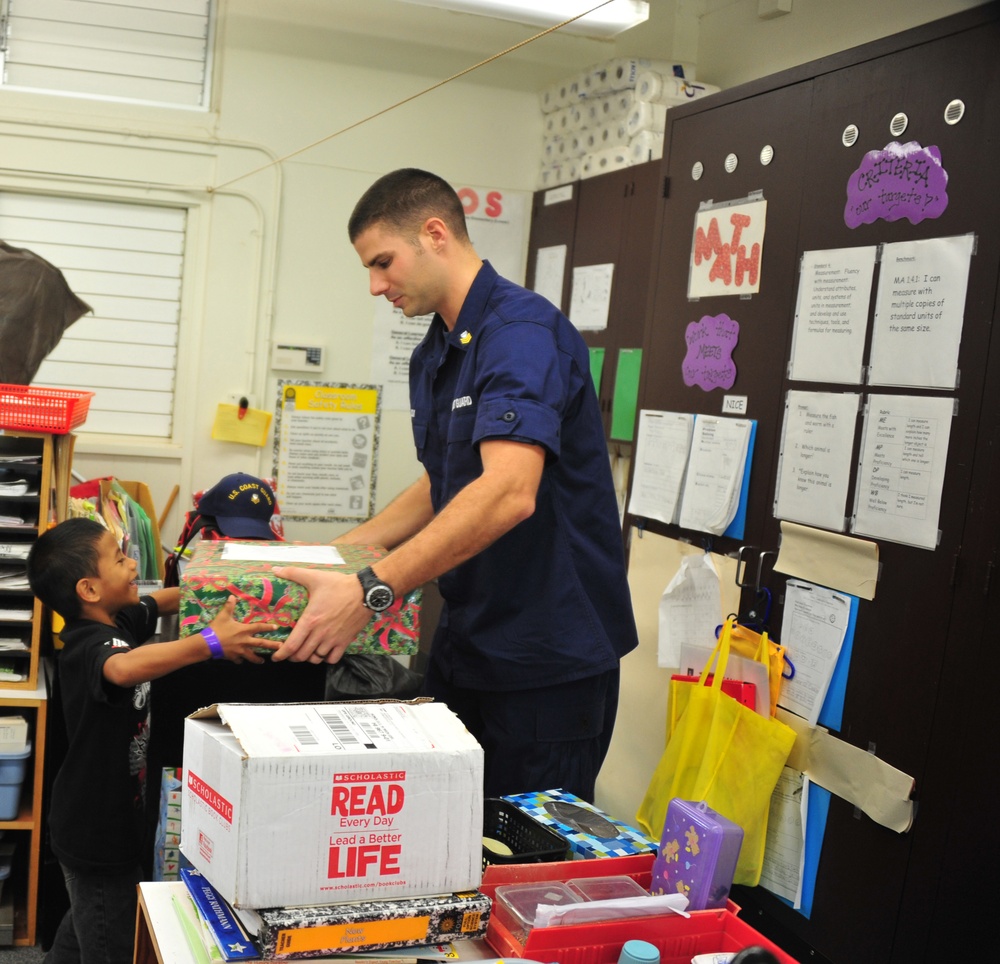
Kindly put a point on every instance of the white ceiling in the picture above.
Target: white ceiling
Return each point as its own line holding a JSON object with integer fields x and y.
{"x": 388, "y": 34}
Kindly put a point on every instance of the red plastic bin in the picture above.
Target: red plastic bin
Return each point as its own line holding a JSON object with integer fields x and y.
{"x": 677, "y": 938}
{"x": 31, "y": 408}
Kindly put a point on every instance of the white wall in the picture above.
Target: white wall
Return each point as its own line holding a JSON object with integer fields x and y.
{"x": 269, "y": 252}
{"x": 735, "y": 45}
{"x": 269, "y": 257}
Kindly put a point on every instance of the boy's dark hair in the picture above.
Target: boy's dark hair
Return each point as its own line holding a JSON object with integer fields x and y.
{"x": 60, "y": 558}
{"x": 404, "y": 200}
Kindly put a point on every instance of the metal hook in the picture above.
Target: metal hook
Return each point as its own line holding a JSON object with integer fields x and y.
{"x": 760, "y": 565}
{"x": 742, "y": 567}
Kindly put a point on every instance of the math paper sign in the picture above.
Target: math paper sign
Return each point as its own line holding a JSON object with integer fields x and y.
{"x": 709, "y": 361}
{"x": 325, "y": 442}
{"x": 726, "y": 251}
{"x": 899, "y": 181}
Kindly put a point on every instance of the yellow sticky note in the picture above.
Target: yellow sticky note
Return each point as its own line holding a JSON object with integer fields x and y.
{"x": 250, "y": 430}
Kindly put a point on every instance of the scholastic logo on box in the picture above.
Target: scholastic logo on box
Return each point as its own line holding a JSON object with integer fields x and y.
{"x": 369, "y": 798}
{"x": 214, "y": 799}
{"x": 368, "y": 801}
{"x": 205, "y": 846}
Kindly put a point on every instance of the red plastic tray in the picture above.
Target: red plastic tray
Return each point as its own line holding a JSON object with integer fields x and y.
{"x": 677, "y": 938}
{"x": 31, "y": 408}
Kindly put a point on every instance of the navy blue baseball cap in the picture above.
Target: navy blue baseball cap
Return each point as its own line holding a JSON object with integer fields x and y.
{"x": 242, "y": 506}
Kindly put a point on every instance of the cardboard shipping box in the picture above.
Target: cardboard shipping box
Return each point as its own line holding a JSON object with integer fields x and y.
{"x": 294, "y": 804}
{"x": 222, "y": 568}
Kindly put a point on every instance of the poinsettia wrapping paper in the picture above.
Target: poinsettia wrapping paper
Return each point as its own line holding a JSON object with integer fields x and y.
{"x": 209, "y": 580}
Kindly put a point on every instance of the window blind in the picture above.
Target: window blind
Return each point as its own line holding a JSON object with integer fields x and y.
{"x": 126, "y": 261}
{"x": 150, "y": 51}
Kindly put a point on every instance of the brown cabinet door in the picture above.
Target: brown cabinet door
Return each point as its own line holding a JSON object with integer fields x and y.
{"x": 916, "y": 694}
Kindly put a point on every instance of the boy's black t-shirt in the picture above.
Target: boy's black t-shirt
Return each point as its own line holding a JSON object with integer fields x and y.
{"x": 96, "y": 816}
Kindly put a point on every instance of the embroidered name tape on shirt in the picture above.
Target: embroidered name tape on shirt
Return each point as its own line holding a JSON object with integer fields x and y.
{"x": 464, "y": 402}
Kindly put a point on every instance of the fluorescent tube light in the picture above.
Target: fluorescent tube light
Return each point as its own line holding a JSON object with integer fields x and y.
{"x": 607, "y": 21}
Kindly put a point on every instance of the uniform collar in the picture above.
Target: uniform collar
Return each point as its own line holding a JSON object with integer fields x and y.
{"x": 473, "y": 308}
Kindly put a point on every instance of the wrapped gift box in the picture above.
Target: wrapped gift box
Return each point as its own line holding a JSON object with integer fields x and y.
{"x": 215, "y": 572}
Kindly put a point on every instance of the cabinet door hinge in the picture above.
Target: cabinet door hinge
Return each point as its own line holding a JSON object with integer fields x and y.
{"x": 666, "y": 187}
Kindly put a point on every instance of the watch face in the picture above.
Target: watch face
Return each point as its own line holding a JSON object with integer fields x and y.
{"x": 379, "y": 598}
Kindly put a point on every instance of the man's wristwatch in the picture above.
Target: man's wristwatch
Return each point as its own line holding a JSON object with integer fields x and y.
{"x": 378, "y": 597}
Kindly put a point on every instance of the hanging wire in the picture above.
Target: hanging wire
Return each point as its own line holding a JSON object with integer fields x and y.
{"x": 412, "y": 97}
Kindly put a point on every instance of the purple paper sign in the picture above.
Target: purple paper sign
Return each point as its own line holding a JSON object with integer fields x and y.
{"x": 709, "y": 363}
{"x": 900, "y": 181}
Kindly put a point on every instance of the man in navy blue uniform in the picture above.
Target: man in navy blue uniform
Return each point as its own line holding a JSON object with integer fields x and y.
{"x": 515, "y": 513}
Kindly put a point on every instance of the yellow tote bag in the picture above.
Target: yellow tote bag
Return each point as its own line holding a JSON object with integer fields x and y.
{"x": 753, "y": 645}
{"x": 725, "y": 754}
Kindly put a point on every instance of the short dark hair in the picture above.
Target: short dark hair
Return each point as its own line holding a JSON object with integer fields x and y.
{"x": 404, "y": 200}
{"x": 59, "y": 559}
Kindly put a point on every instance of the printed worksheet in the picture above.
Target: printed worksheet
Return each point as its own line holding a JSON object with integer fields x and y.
{"x": 831, "y": 315}
{"x": 715, "y": 473}
{"x": 784, "y": 849}
{"x": 661, "y": 456}
{"x": 590, "y": 299}
{"x": 550, "y": 269}
{"x": 919, "y": 312}
{"x": 689, "y": 609}
{"x": 814, "y": 625}
{"x": 814, "y": 468}
{"x": 902, "y": 468}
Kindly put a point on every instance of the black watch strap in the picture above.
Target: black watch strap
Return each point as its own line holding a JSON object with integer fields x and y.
{"x": 377, "y": 596}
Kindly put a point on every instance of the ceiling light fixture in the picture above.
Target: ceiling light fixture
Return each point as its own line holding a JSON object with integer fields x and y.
{"x": 605, "y": 20}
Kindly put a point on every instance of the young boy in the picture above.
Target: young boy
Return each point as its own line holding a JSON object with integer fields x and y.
{"x": 96, "y": 825}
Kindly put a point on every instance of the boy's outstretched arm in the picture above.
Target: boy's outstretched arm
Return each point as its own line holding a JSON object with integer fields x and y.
{"x": 168, "y": 601}
{"x": 236, "y": 640}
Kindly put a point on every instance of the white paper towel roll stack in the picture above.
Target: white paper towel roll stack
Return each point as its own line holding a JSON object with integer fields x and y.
{"x": 548, "y": 99}
{"x": 608, "y": 159}
{"x": 578, "y": 144}
{"x": 656, "y": 88}
{"x": 614, "y": 133}
{"x": 624, "y": 71}
{"x": 646, "y": 117}
{"x": 551, "y": 175}
{"x": 645, "y": 146}
{"x": 610, "y": 115}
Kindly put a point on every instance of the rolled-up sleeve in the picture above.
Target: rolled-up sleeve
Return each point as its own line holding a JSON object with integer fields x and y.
{"x": 522, "y": 385}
